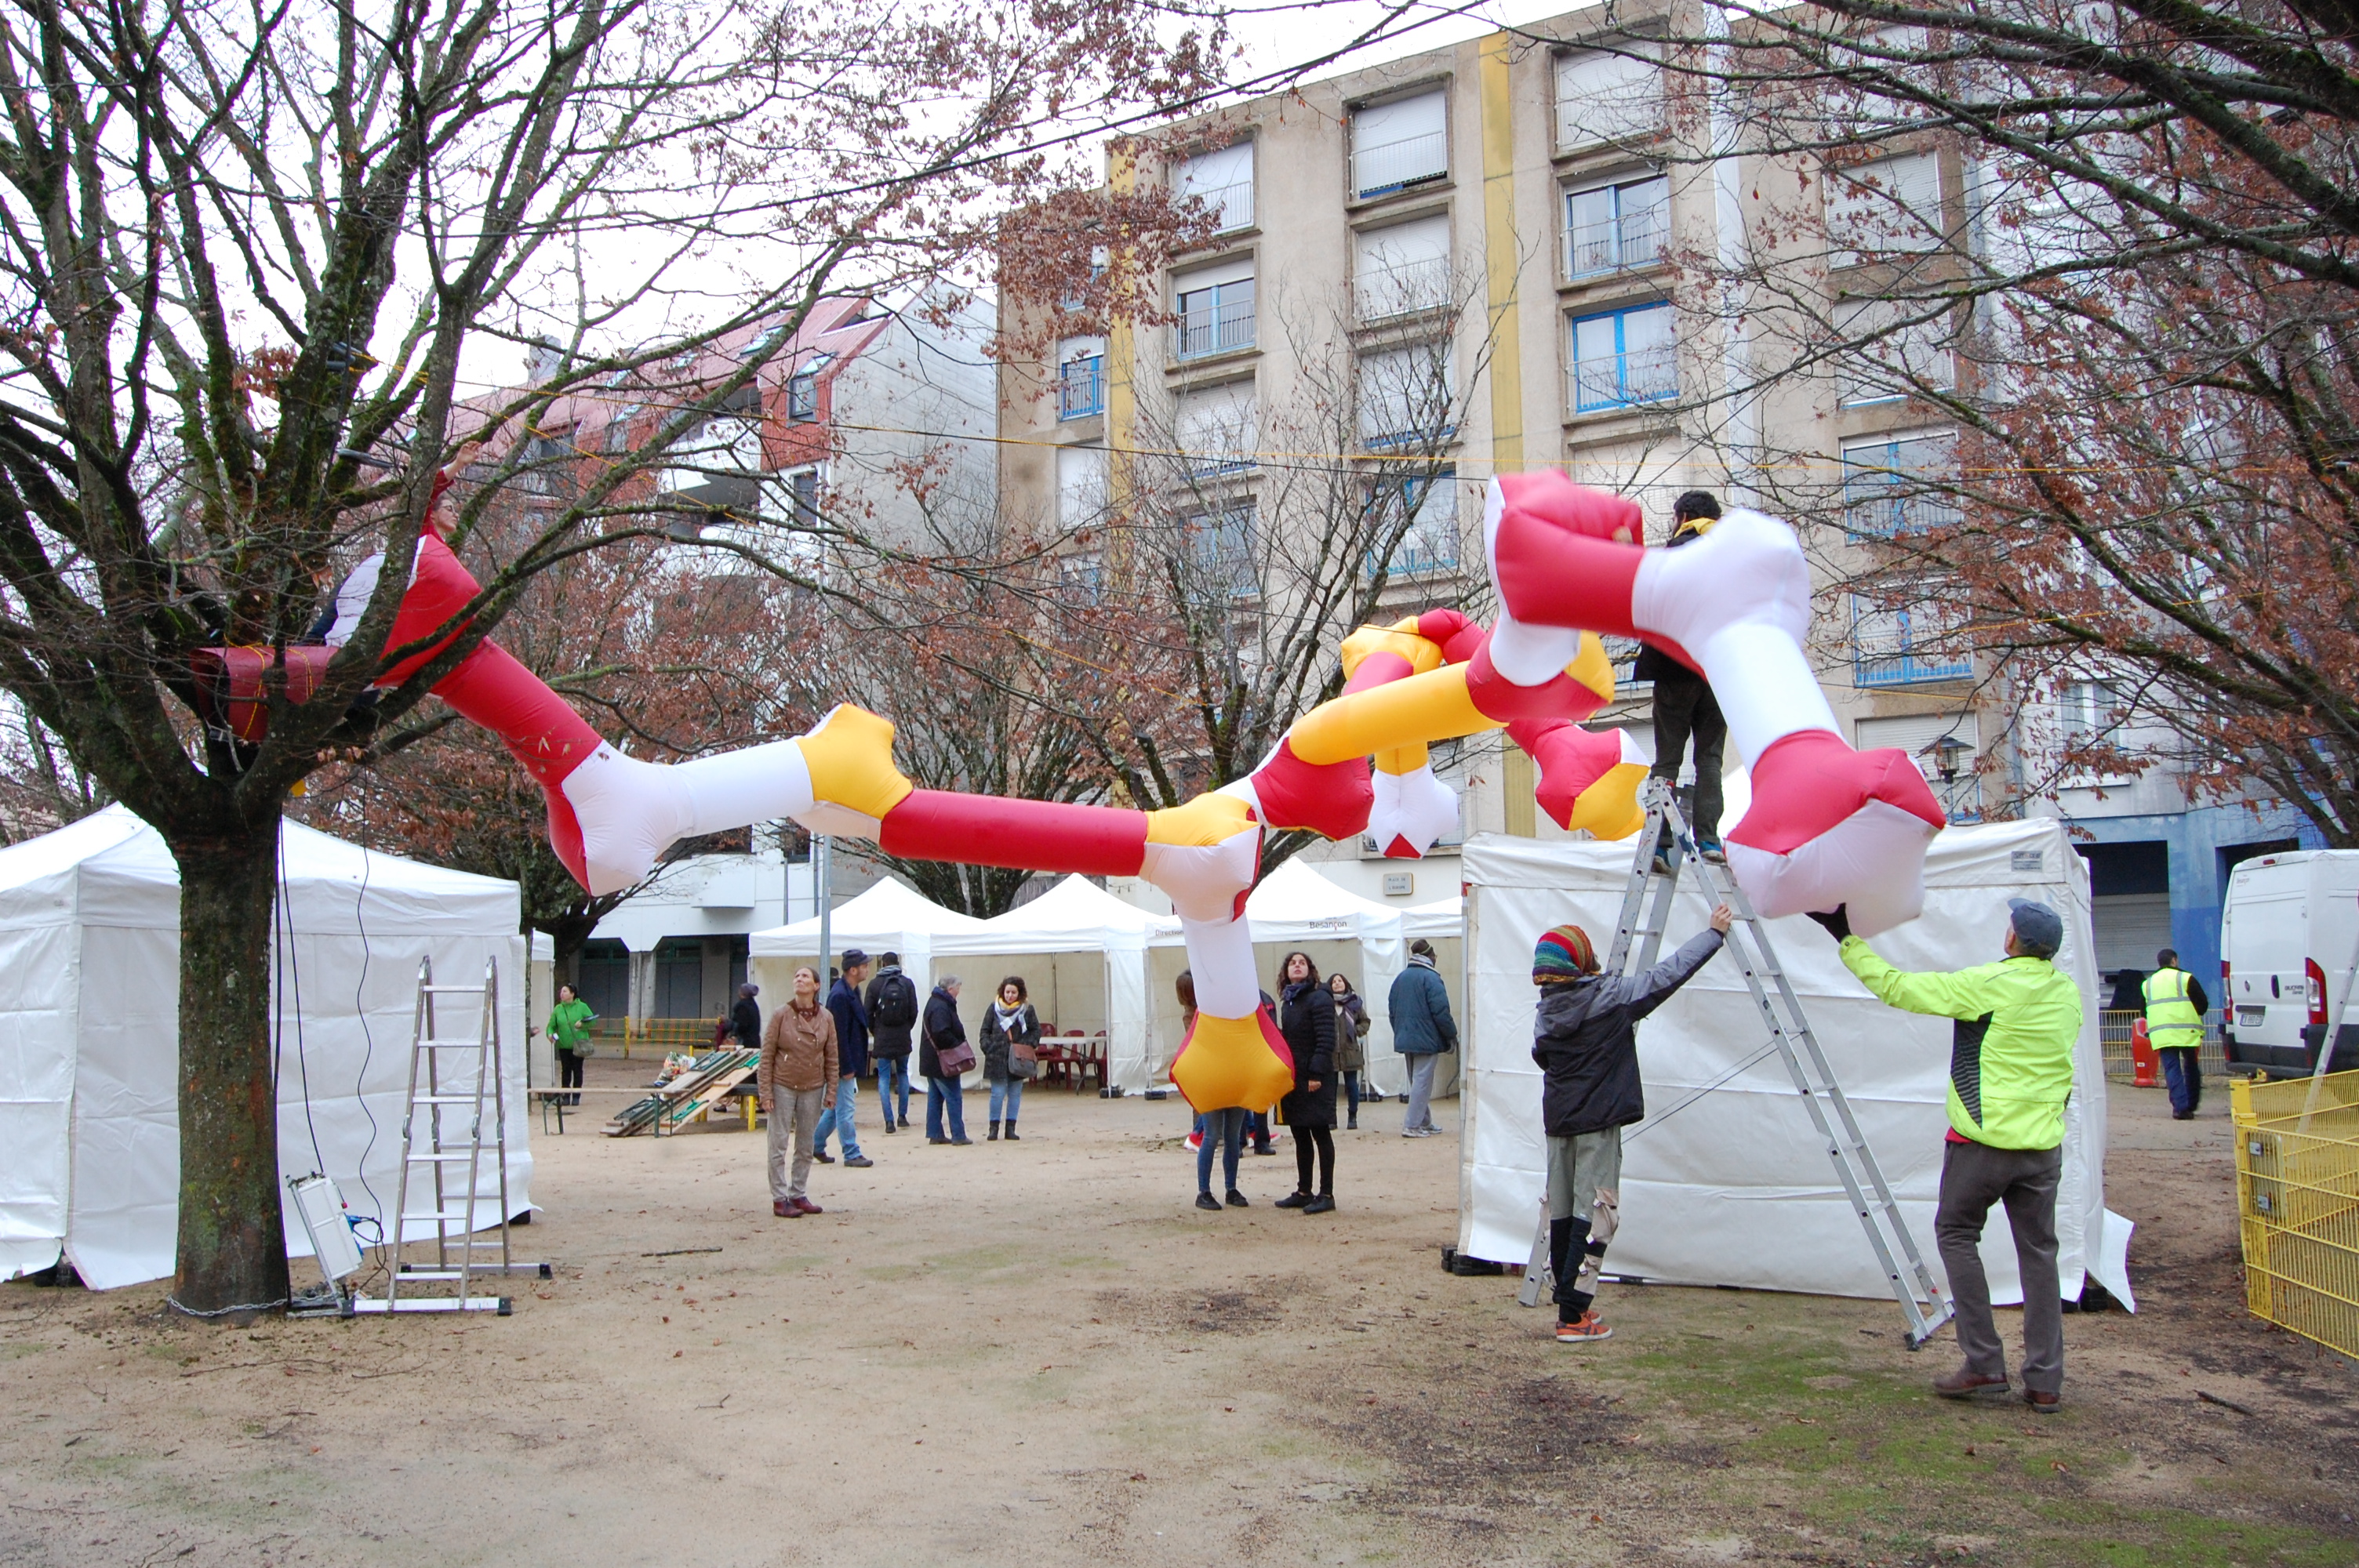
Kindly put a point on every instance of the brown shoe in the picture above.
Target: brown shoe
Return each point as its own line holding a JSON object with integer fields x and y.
{"x": 1965, "y": 1383}
{"x": 784, "y": 1209}
{"x": 2042, "y": 1402}
{"x": 804, "y": 1206}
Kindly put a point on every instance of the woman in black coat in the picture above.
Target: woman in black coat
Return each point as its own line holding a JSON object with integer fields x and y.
{"x": 1305, "y": 1017}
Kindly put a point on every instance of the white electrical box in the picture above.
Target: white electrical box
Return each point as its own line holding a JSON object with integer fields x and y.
{"x": 323, "y": 1209}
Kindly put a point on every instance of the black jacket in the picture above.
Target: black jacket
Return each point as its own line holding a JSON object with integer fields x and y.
{"x": 993, "y": 1044}
{"x": 745, "y": 1024}
{"x": 1655, "y": 665}
{"x": 892, "y": 1017}
{"x": 851, "y": 1029}
{"x": 942, "y": 1027}
{"x": 1587, "y": 1041}
{"x": 1307, "y": 1018}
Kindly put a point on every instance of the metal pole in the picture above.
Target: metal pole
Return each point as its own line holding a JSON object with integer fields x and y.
{"x": 821, "y": 875}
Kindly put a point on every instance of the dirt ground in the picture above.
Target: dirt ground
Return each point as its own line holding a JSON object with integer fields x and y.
{"x": 1039, "y": 1352}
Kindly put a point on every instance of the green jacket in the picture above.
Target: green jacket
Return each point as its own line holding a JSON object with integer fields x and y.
{"x": 2011, "y": 1053}
{"x": 568, "y": 1024}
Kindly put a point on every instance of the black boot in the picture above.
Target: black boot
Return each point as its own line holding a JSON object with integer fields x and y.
{"x": 1567, "y": 1240}
{"x": 995, "y": 1134}
{"x": 1011, "y": 1130}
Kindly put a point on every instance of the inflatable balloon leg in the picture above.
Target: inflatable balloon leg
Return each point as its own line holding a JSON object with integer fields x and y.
{"x": 1828, "y": 824}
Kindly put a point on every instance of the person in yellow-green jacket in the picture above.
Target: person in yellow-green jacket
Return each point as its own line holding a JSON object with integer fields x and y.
{"x": 568, "y": 1031}
{"x": 2010, "y": 1076}
{"x": 2175, "y": 1004}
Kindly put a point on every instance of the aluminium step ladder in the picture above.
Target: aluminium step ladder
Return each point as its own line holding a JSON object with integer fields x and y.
{"x": 1638, "y": 938}
{"x": 454, "y": 1081}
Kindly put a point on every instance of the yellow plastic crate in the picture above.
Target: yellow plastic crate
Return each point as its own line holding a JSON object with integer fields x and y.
{"x": 2297, "y": 1204}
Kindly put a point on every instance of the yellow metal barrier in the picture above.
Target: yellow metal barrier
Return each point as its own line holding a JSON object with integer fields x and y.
{"x": 2297, "y": 1204}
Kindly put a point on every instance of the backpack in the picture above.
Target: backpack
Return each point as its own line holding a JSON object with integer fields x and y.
{"x": 896, "y": 1004}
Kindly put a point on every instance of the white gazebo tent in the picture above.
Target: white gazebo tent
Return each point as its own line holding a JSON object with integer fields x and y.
{"x": 1296, "y": 907}
{"x": 1726, "y": 1183}
{"x": 891, "y": 917}
{"x": 1083, "y": 953}
{"x": 89, "y": 1017}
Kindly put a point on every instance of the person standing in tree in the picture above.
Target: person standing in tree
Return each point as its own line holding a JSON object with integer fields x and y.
{"x": 2175, "y": 1005}
{"x": 1586, "y": 1044}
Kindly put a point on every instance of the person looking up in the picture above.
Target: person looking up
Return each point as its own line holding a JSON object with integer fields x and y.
{"x": 1306, "y": 1018}
{"x": 795, "y": 1081}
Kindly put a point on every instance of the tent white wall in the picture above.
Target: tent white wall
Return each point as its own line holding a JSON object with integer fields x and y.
{"x": 1100, "y": 983}
{"x": 890, "y": 917}
{"x": 1729, "y": 1185}
{"x": 89, "y": 1019}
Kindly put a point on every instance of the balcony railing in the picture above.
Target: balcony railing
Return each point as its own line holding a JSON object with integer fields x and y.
{"x": 1395, "y": 166}
{"x": 1402, "y": 290}
{"x": 1216, "y": 328}
{"x": 1081, "y": 388}
{"x": 1873, "y": 667}
{"x": 1621, "y": 381}
{"x": 1633, "y": 240}
{"x": 1232, "y": 204}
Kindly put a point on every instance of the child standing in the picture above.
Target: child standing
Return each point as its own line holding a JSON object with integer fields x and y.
{"x": 1587, "y": 1045}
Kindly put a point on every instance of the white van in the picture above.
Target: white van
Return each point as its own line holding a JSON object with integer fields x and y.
{"x": 2289, "y": 937}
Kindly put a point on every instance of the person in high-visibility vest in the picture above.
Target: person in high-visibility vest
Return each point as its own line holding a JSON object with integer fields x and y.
{"x": 2175, "y": 1005}
{"x": 2010, "y": 1076}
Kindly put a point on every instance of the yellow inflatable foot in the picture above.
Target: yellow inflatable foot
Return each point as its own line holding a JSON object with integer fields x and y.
{"x": 850, "y": 755}
{"x": 1233, "y": 1061}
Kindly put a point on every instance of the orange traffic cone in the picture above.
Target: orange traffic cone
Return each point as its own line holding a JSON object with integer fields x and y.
{"x": 2143, "y": 1059}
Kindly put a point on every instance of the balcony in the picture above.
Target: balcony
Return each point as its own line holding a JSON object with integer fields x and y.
{"x": 1626, "y": 380}
{"x": 1635, "y": 240}
{"x": 1215, "y": 327}
{"x": 1383, "y": 293}
{"x": 1887, "y": 660}
{"x": 1389, "y": 166}
{"x": 1081, "y": 388}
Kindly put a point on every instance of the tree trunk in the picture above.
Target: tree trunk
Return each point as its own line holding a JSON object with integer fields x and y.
{"x": 233, "y": 1251}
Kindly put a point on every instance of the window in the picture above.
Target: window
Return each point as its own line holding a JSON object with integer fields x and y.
{"x": 1080, "y": 576}
{"x": 1406, "y": 397}
{"x": 1219, "y": 545}
{"x": 1610, "y": 228}
{"x": 1216, "y": 310}
{"x": 1607, "y": 96}
{"x": 1624, "y": 357}
{"x": 1397, "y": 144}
{"x": 1877, "y": 209}
{"x": 1080, "y": 377}
{"x": 2091, "y": 713}
{"x": 802, "y": 397}
{"x": 1904, "y": 646}
{"x": 1223, "y": 181}
{"x": 1430, "y": 541}
{"x": 1890, "y": 483}
{"x": 1402, "y": 268}
{"x": 802, "y": 497}
{"x": 618, "y": 428}
{"x": 1216, "y": 430}
{"x": 1080, "y": 486}
{"x": 1890, "y": 349}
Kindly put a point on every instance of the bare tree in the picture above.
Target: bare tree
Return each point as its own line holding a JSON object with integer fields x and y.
{"x": 241, "y": 246}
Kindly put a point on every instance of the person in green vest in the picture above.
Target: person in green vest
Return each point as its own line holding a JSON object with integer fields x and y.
{"x": 568, "y": 1031}
{"x": 2175, "y": 1005}
{"x": 2010, "y": 1076}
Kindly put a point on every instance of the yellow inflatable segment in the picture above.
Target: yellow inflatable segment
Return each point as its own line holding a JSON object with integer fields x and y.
{"x": 850, "y": 756}
{"x": 1421, "y": 707}
{"x": 1204, "y": 821}
{"x": 1228, "y": 1062}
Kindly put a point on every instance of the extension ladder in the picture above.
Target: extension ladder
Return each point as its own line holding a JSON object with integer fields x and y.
{"x": 1638, "y": 938}
{"x": 453, "y": 1081}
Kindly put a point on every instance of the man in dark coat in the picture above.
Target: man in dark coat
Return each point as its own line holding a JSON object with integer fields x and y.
{"x": 892, "y": 1022}
{"x": 852, "y": 1060}
{"x": 1418, "y": 1004}
{"x": 1306, "y": 1016}
{"x": 940, "y": 1030}
{"x": 745, "y": 1018}
{"x": 1586, "y": 1042}
{"x": 1684, "y": 706}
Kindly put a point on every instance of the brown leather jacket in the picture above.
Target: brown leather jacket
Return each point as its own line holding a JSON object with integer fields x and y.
{"x": 798, "y": 1050}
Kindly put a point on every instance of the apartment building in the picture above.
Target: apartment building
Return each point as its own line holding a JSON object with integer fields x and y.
{"x": 1488, "y": 247}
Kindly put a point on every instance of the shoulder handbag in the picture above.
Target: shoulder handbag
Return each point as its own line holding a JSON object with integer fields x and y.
{"x": 1023, "y": 1061}
{"x": 950, "y": 1063}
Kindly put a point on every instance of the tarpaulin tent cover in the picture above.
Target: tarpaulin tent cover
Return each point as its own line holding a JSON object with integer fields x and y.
{"x": 89, "y": 1022}
{"x": 1076, "y": 916}
{"x": 1728, "y": 1184}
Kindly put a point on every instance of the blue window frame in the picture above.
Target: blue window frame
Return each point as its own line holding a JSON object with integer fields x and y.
{"x": 1889, "y": 648}
{"x": 1621, "y": 359}
{"x": 1430, "y": 541}
{"x": 1888, "y": 484}
{"x": 1080, "y": 387}
{"x": 1216, "y": 318}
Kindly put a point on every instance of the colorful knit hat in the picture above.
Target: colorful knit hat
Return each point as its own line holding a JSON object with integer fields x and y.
{"x": 1562, "y": 951}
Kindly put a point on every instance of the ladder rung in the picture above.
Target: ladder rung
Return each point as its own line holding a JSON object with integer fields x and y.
{"x": 438, "y": 1159}
{"x": 442, "y": 1099}
{"x": 444, "y": 1216}
{"x": 452, "y": 990}
{"x": 409, "y": 1274}
{"x": 451, "y": 1045}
